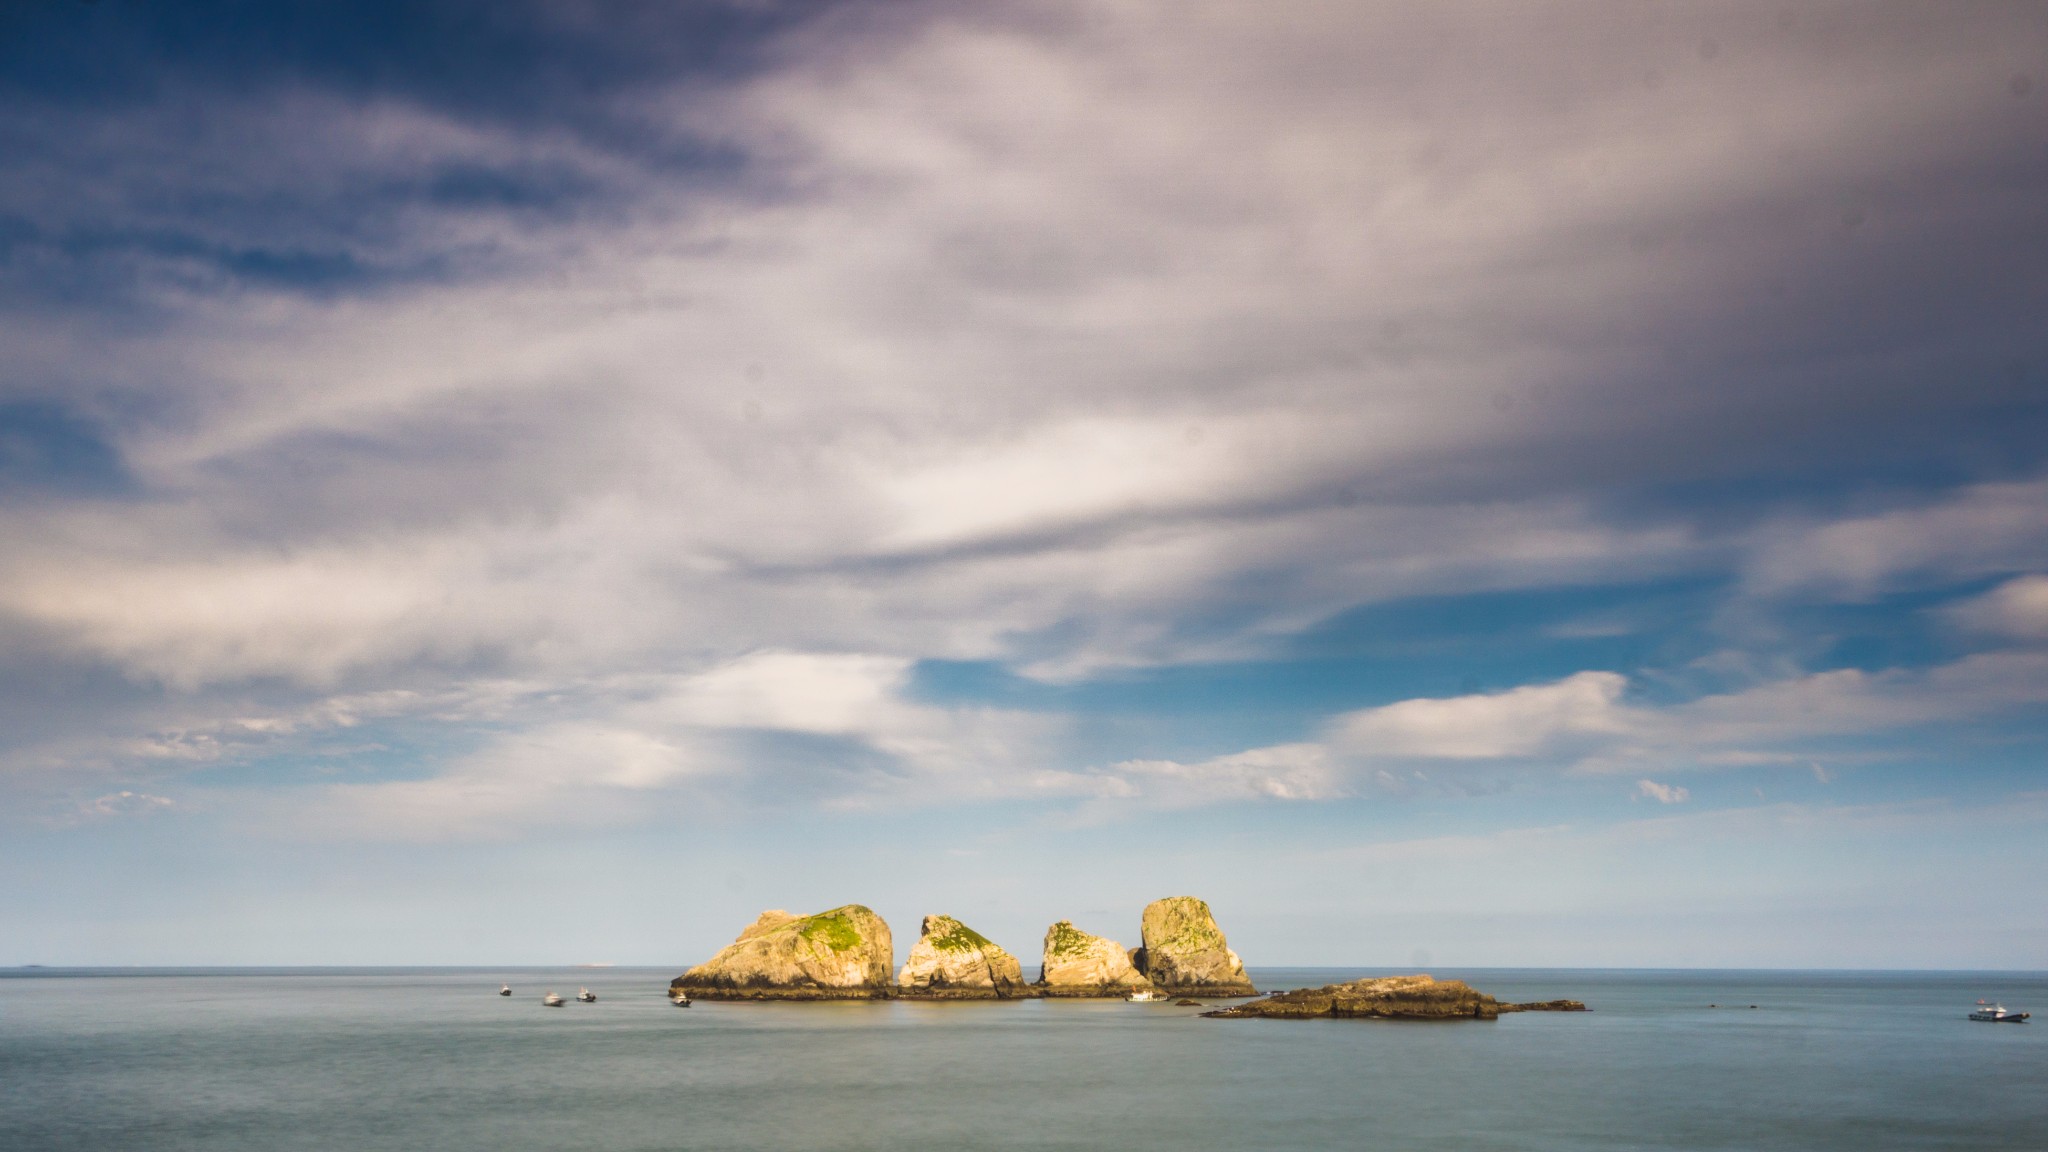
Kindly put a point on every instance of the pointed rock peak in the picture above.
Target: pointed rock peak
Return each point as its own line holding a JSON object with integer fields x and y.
{"x": 948, "y": 934}
{"x": 1078, "y": 963}
{"x": 950, "y": 958}
{"x": 1185, "y": 951}
{"x": 767, "y": 922}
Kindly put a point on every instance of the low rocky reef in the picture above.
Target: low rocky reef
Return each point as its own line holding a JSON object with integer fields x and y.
{"x": 1388, "y": 998}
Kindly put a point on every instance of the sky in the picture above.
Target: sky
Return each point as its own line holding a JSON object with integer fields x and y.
{"x": 1452, "y": 484}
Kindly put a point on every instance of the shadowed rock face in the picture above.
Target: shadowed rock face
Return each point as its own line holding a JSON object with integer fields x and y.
{"x": 1390, "y": 998}
{"x": 1185, "y": 952}
{"x": 1079, "y": 964}
{"x": 951, "y": 960}
{"x": 843, "y": 954}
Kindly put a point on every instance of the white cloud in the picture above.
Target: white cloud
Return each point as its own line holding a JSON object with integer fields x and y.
{"x": 1519, "y": 722}
{"x": 1980, "y": 530}
{"x": 127, "y": 803}
{"x": 1581, "y": 724}
{"x": 576, "y": 774}
{"x": 798, "y": 692}
{"x": 1280, "y": 772}
{"x": 634, "y": 749}
{"x": 1850, "y": 702}
{"x": 2017, "y": 608}
{"x": 1662, "y": 793}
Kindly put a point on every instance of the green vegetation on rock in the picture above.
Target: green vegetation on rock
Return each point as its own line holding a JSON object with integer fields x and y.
{"x": 834, "y": 929}
{"x": 958, "y": 937}
{"x": 1196, "y": 928}
{"x": 1068, "y": 940}
{"x": 1185, "y": 949}
{"x": 842, "y": 953}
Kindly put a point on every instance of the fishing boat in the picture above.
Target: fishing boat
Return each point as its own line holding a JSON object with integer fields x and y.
{"x": 681, "y": 1000}
{"x": 551, "y": 1001}
{"x": 504, "y": 989}
{"x": 587, "y": 996}
{"x": 1996, "y": 1014}
{"x": 1145, "y": 996}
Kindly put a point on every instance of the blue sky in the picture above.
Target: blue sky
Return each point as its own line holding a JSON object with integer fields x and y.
{"x": 527, "y": 483}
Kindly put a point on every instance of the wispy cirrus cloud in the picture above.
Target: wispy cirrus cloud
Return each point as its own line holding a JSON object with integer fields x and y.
{"x": 2017, "y": 608}
{"x": 940, "y": 333}
{"x": 1585, "y": 724}
{"x": 1972, "y": 532}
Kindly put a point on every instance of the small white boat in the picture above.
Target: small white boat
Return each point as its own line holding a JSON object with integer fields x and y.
{"x": 1996, "y": 1014}
{"x": 680, "y": 1000}
{"x": 504, "y": 989}
{"x": 1145, "y": 996}
{"x": 587, "y": 996}
{"x": 551, "y": 1001}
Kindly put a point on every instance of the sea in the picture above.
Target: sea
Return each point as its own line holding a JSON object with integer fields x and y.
{"x": 428, "y": 1059}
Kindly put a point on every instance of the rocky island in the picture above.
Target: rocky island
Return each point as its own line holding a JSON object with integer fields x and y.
{"x": 1079, "y": 964}
{"x": 1185, "y": 953}
{"x": 951, "y": 961}
{"x": 1389, "y": 998}
{"x": 843, "y": 954}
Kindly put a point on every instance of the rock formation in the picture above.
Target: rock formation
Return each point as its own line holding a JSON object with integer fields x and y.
{"x": 1390, "y": 998}
{"x": 1078, "y": 964}
{"x": 843, "y": 954}
{"x": 952, "y": 961}
{"x": 1185, "y": 952}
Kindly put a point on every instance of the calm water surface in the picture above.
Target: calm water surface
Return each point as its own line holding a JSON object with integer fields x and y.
{"x": 432, "y": 1059}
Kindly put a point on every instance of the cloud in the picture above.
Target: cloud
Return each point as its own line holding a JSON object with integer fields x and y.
{"x": 1281, "y": 772}
{"x": 939, "y": 332}
{"x": 1979, "y": 530}
{"x": 572, "y": 774}
{"x": 1849, "y": 701}
{"x": 1519, "y": 722}
{"x": 631, "y": 750}
{"x": 1662, "y": 793}
{"x": 801, "y": 692}
{"x": 2017, "y": 608}
{"x": 1583, "y": 724}
{"x": 124, "y": 803}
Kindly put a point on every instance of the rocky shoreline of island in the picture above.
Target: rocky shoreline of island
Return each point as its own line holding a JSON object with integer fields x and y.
{"x": 846, "y": 953}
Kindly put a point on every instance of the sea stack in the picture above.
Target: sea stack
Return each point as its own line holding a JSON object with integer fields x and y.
{"x": 1078, "y": 964}
{"x": 1389, "y": 998}
{"x": 1185, "y": 953}
{"x": 952, "y": 961}
{"x": 843, "y": 954}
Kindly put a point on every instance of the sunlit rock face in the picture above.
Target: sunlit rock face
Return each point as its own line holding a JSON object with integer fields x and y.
{"x": 1080, "y": 964}
{"x": 951, "y": 960}
{"x": 1185, "y": 952}
{"x": 843, "y": 954}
